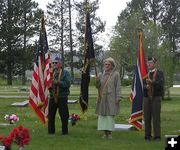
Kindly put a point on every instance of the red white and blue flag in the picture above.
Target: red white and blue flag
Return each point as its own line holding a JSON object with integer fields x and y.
{"x": 136, "y": 95}
{"x": 38, "y": 98}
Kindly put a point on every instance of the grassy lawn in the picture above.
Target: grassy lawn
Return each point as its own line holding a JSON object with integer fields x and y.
{"x": 84, "y": 135}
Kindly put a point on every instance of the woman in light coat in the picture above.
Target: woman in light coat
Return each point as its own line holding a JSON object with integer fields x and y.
{"x": 108, "y": 84}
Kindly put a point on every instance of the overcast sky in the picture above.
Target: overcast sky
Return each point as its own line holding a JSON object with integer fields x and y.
{"x": 108, "y": 11}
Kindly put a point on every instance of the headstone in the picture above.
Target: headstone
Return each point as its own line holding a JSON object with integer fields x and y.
{"x": 176, "y": 86}
{"x": 7, "y": 124}
{"x": 20, "y": 104}
{"x": 25, "y": 103}
{"x": 2, "y": 147}
{"x": 72, "y": 101}
{"x": 124, "y": 127}
{"x": 24, "y": 89}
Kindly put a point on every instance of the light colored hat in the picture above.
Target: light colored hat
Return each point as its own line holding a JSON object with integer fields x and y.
{"x": 111, "y": 60}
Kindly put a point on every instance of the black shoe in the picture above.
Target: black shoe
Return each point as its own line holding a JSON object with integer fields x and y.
{"x": 148, "y": 138}
{"x": 64, "y": 133}
{"x": 51, "y": 133}
{"x": 158, "y": 138}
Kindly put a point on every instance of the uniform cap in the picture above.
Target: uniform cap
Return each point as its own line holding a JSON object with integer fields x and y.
{"x": 152, "y": 59}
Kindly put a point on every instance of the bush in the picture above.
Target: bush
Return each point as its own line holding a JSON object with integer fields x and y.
{"x": 126, "y": 82}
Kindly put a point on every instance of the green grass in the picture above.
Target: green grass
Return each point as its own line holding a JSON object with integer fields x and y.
{"x": 84, "y": 134}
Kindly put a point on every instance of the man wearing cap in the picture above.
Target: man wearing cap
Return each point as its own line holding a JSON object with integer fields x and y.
{"x": 153, "y": 92}
{"x": 59, "y": 92}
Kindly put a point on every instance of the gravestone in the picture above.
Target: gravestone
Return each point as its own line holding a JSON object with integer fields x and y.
{"x": 72, "y": 101}
{"x": 25, "y": 103}
{"x": 123, "y": 127}
{"x": 2, "y": 147}
{"x": 20, "y": 104}
{"x": 7, "y": 124}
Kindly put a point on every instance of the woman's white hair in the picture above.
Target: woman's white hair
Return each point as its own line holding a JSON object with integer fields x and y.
{"x": 111, "y": 60}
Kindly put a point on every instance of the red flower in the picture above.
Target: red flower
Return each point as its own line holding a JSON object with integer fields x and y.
{"x": 73, "y": 118}
{"x": 6, "y": 141}
{"x": 20, "y": 135}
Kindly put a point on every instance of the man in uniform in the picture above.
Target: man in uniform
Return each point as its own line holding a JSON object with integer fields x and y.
{"x": 153, "y": 92}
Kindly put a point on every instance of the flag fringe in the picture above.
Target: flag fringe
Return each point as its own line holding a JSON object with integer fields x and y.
{"x": 39, "y": 113}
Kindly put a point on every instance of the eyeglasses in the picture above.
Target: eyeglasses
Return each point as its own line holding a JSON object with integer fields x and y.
{"x": 55, "y": 63}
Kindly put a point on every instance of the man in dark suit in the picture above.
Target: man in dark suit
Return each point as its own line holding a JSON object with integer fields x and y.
{"x": 153, "y": 92}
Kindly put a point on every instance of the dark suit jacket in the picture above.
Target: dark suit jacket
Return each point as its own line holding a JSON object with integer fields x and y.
{"x": 157, "y": 85}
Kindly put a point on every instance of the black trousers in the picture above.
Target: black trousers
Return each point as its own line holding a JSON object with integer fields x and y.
{"x": 62, "y": 106}
{"x": 152, "y": 110}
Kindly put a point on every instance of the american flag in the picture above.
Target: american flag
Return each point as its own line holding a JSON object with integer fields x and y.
{"x": 136, "y": 95}
{"x": 38, "y": 98}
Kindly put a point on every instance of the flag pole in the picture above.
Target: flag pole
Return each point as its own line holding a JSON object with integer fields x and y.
{"x": 85, "y": 26}
{"x": 94, "y": 60}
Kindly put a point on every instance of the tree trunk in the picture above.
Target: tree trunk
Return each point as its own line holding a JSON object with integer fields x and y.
{"x": 9, "y": 47}
{"x": 24, "y": 50}
{"x": 9, "y": 74}
{"x": 62, "y": 33}
{"x": 23, "y": 76}
{"x": 71, "y": 48}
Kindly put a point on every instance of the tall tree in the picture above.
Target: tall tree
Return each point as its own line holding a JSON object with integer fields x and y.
{"x": 18, "y": 22}
{"x": 58, "y": 25}
{"x": 71, "y": 42}
{"x": 123, "y": 43}
{"x": 154, "y": 9}
{"x": 148, "y": 15}
{"x": 10, "y": 33}
{"x": 30, "y": 22}
{"x": 171, "y": 22}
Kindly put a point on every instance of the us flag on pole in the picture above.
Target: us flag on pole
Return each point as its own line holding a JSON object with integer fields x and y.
{"x": 38, "y": 98}
{"x": 136, "y": 95}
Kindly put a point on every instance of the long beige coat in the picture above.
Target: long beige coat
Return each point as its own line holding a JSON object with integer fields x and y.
{"x": 108, "y": 101}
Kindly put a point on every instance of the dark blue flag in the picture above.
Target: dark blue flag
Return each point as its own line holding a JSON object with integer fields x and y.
{"x": 88, "y": 57}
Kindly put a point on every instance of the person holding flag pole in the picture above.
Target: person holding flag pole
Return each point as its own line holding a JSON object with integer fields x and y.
{"x": 59, "y": 91}
{"x": 107, "y": 107}
{"x": 153, "y": 92}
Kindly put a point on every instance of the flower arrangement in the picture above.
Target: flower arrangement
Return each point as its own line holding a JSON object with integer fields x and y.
{"x": 6, "y": 141}
{"x": 73, "y": 118}
{"x": 19, "y": 135}
{"x": 11, "y": 118}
